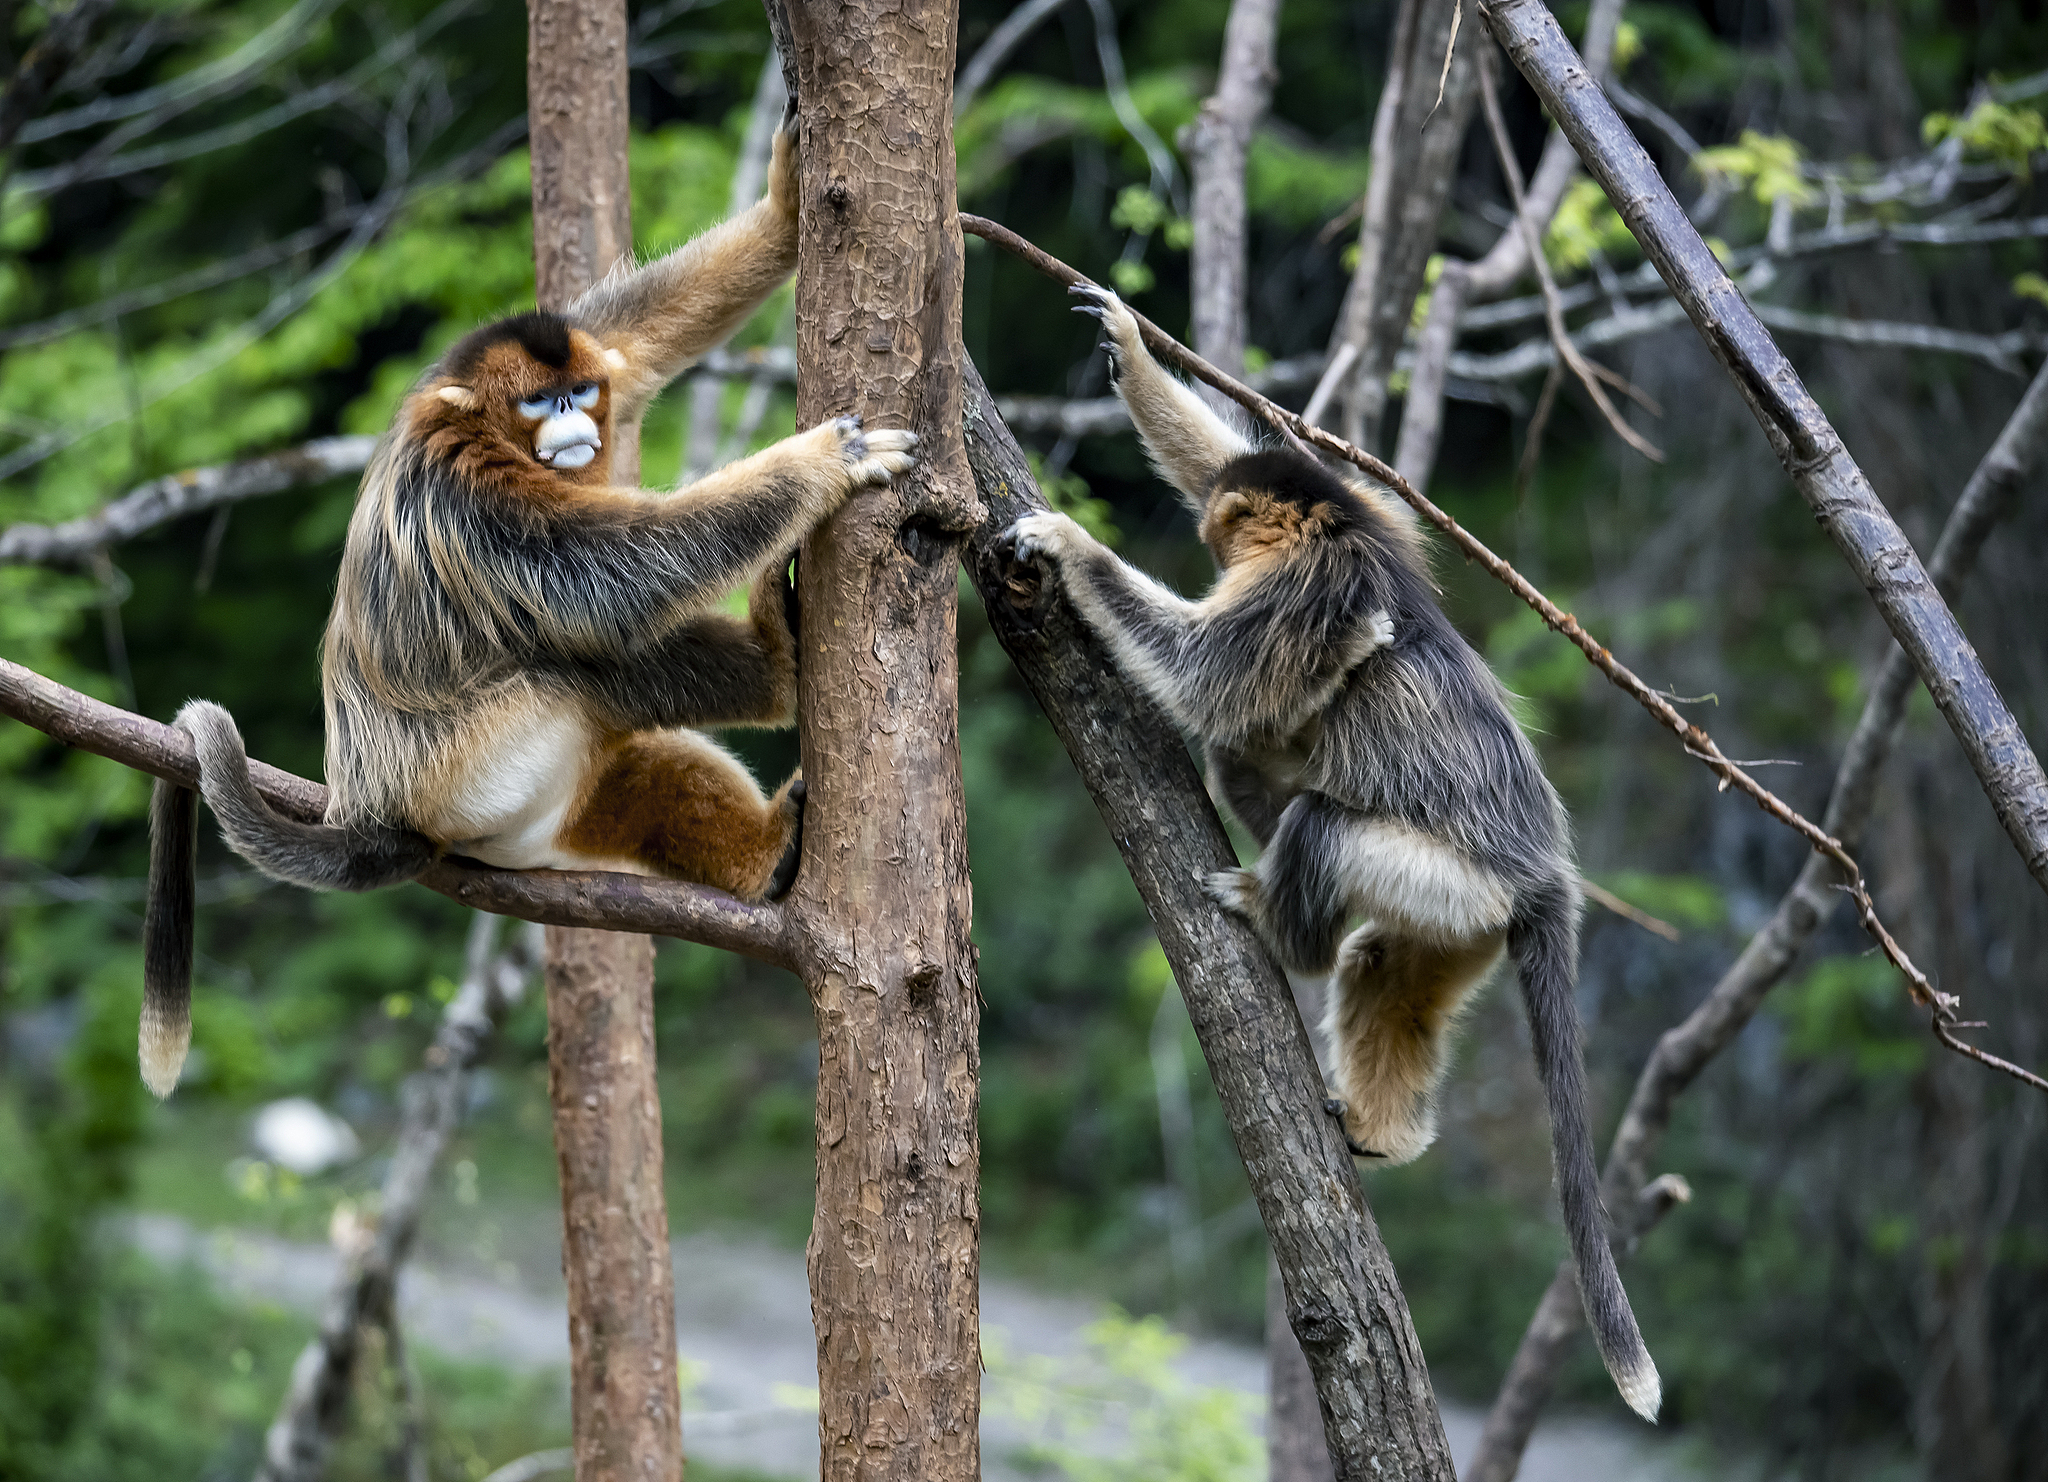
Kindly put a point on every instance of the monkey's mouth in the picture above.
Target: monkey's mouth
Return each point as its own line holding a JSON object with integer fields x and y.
{"x": 567, "y": 440}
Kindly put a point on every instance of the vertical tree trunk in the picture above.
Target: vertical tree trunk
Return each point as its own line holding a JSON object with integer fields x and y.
{"x": 625, "y": 1408}
{"x": 882, "y": 900}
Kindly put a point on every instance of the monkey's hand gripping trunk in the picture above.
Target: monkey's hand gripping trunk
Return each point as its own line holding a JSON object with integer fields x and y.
{"x": 317, "y": 856}
{"x": 1543, "y": 940}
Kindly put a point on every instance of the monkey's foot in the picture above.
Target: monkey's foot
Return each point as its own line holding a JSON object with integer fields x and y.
{"x": 792, "y": 852}
{"x": 1332, "y": 1107}
{"x": 1237, "y": 891}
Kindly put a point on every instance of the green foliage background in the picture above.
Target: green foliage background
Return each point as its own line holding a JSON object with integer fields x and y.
{"x": 1775, "y": 1303}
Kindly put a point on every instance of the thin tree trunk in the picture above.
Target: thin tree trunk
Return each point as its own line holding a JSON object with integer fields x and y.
{"x": 1216, "y": 143}
{"x": 1343, "y": 1299}
{"x": 625, "y": 1409}
{"x": 882, "y": 899}
{"x": 1416, "y": 139}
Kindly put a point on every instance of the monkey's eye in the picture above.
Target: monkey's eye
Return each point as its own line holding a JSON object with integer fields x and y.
{"x": 534, "y": 408}
{"x": 585, "y": 395}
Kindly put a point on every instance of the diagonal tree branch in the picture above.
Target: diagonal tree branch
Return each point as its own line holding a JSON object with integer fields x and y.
{"x": 1344, "y": 1301}
{"x": 1798, "y": 431}
{"x": 1686, "y": 1050}
{"x": 596, "y": 898}
{"x": 1698, "y": 744}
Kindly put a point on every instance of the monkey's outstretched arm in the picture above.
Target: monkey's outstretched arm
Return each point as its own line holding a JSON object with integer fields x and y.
{"x": 1187, "y": 440}
{"x": 598, "y": 575}
{"x": 658, "y": 318}
{"x": 1255, "y": 657}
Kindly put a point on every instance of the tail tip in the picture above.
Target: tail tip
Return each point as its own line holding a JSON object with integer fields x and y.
{"x": 1641, "y": 1388}
{"x": 162, "y": 1053}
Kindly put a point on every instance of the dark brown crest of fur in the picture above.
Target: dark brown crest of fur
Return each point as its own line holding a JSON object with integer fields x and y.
{"x": 542, "y": 335}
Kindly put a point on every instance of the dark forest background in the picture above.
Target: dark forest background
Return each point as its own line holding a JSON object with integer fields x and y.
{"x": 286, "y": 210}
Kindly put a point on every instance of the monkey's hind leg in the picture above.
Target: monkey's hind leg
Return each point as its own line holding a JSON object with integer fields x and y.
{"x": 1294, "y": 898}
{"x": 1393, "y": 1003}
{"x": 677, "y": 803}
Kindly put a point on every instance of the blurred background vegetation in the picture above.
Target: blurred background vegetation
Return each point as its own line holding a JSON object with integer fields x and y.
{"x": 316, "y": 198}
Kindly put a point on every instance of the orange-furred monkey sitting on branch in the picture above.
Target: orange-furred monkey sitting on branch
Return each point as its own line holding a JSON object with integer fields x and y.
{"x": 519, "y": 650}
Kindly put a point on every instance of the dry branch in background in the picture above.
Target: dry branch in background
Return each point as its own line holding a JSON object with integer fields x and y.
{"x": 1216, "y": 143}
{"x": 1416, "y": 138}
{"x": 1344, "y": 1301}
{"x": 314, "y": 1411}
{"x": 1697, "y": 742}
{"x": 173, "y": 496}
{"x": 1798, "y": 431}
{"x": 1686, "y": 1050}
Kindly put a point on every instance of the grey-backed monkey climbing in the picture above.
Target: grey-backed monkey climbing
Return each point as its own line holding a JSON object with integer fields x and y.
{"x": 1373, "y": 755}
{"x": 519, "y": 650}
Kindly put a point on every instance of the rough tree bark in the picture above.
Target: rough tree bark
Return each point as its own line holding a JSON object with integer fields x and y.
{"x": 882, "y": 903}
{"x": 1798, "y": 431}
{"x": 625, "y": 1409}
{"x": 1343, "y": 1300}
{"x": 1689, "y": 1047}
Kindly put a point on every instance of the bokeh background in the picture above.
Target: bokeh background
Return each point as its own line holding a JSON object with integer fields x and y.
{"x": 294, "y": 207}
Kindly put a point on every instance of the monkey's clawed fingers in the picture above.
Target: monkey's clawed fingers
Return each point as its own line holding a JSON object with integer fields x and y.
{"x": 1037, "y": 539}
{"x": 873, "y": 457}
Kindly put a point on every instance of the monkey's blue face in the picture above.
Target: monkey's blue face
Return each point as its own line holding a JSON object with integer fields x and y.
{"x": 565, "y": 435}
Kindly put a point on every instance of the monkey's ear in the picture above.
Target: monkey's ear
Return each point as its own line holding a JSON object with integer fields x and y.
{"x": 460, "y": 397}
{"x": 615, "y": 359}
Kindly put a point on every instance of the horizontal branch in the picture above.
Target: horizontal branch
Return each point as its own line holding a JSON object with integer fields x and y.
{"x": 611, "y": 902}
{"x": 176, "y": 495}
{"x": 1697, "y": 743}
{"x": 1799, "y": 432}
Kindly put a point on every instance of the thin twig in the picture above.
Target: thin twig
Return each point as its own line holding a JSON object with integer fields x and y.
{"x": 1489, "y": 98}
{"x": 1695, "y": 740}
{"x": 1601, "y": 896}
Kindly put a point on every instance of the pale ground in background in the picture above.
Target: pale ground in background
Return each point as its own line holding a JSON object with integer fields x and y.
{"x": 743, "y": 1321}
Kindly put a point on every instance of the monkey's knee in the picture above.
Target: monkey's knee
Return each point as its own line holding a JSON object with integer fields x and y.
{"x": 1301, "y": 941}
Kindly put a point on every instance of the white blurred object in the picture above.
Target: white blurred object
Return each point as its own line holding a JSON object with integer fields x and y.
{"x": 303, "y": 1136}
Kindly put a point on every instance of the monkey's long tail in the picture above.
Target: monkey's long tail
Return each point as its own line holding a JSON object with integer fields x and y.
{"x": 1543, "y": 938}
{"x": 319, "y": 856}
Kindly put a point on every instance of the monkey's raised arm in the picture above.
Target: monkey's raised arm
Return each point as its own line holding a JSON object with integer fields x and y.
{"x": 1262, "y": 653}
{"x": 657, "y": 319}
{"x": 1188, "y": 442}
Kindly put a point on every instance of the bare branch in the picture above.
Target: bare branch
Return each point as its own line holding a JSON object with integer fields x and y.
{"x": 1601, "y": 896}
{"x": 1344, "y": 1300}
{"x": 1216, "y": 143}
{"x": 312, "y": 1414}
{"x": 1687, "y": 1049}
{"x": 1415, "y": 145}
{"x": 1567, "y": 351}
{"x": 1697, "y": 742}
{"x": 176, "y": 495}
{"x": 204, "y": 82}
{"x": 982, "y": 67}
{"x": 43, "y": 67}
{"x": 594, "y": 898}
{"x": 1799, "y": 432}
